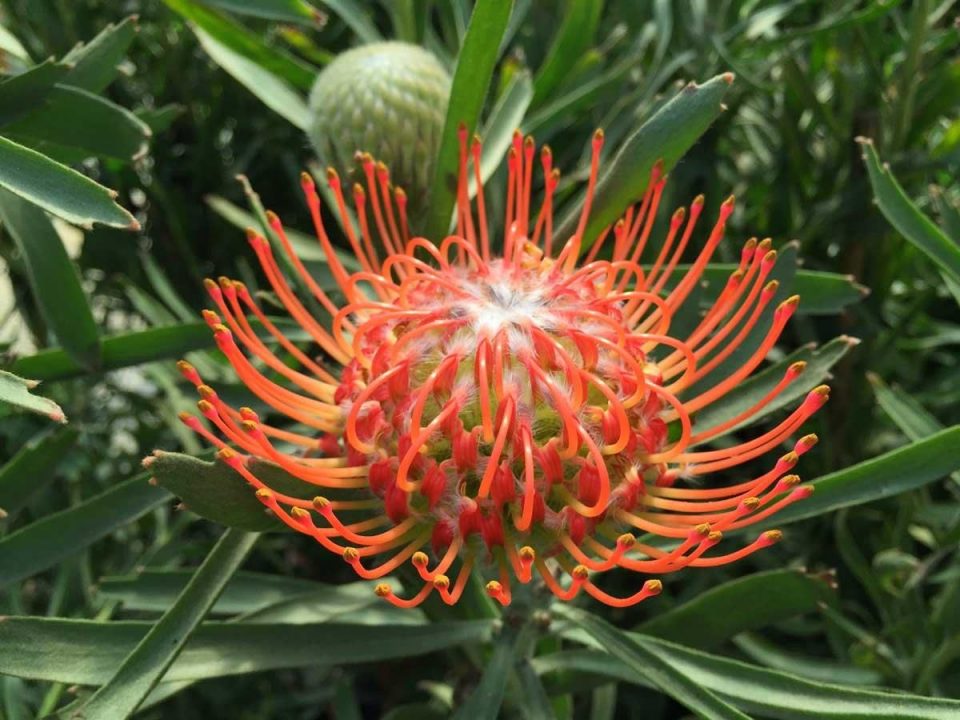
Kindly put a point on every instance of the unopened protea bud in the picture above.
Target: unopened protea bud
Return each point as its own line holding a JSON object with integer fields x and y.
{"x": 388, "y": 99}
{"x": 503, "y": 405}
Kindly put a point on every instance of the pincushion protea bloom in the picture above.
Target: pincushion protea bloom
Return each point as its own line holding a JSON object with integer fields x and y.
{"x": 504, "y": 406}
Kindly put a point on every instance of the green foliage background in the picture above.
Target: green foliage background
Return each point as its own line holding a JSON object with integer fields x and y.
{"x": 864, "y": 592}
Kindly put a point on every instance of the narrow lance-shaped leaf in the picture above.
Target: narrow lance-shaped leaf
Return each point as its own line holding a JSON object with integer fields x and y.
{"x": 916, "y": 227}
{"x": 96, "y": 63}
{"x": 471, "y": 82}
{"x": 46, "y": 542}
{"x": 644, "y": 660}
{"x": 87, "y": 652}
{"x": 21, "y": 93}
{"x": 58, "y": 189}
{"x": 767, "y": 693}
{"x": 33, "y": 467}
{"x": 666, "y": 136}
{"x": 54, "y": 282}
{"x": 297, "y": 11}
{"x": 485, "y": 700}
{"x": 143, "y": 668}
{"x": 750, "y": 602}
{"x": 79, "y": 120}
{"x": 890, "y": 474}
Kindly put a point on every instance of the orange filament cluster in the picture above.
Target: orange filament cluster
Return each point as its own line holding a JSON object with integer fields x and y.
{"x": 517, "y": 408}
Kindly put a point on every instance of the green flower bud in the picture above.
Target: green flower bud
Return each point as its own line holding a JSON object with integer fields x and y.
{"x": 388, "y": 99}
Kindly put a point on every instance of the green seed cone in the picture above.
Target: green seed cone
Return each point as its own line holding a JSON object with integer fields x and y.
{"x": 388, "y": 99}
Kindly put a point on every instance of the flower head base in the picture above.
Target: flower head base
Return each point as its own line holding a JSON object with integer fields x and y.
{"x": 515, "y": 409}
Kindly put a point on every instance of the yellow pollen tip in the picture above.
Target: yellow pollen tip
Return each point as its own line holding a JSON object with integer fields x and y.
{"x": 210, "y": 315}
{"x": 441, "y": 582}
{"x": 773, "y": 535}
{"x": 298, "y": 513}
{"x": 320, "y": 503}
{"x": 810, "y": 440}
{"x": 209, "y": 284}
{"x": 751, "y": 503}
{"x": 225, "y": 453}
{"x": 654, "y": 587}
{"x": 580, "y": 572}
{"x": 790, "y": 480}
{"x": 332, "y": 175}
{"x": 791, "y": 458}
{"x": 764, "y": 244}
{"x": 798, "y": 367}
{"x": 770, "y": 256}
{"x": 383, "y": 590}
{"x": 771, "y": 287}
{"x": 272, "y": 217}
{"x": 626, "y": 540}
{"x": 494, "y": 588}
{"x": 419, "y": 559}
{"x": 204, "y": 406}
{"x": 249, "y": 425}
{"x": 715, "y": 536}
{"x": 206, "y": 392}
{"x": 350, "y": 554}
{"x": 527, "y": 554}
{"x": 264, "y": 493}
{"x": 703, "y": 529}
{"x": 821, "y": 389}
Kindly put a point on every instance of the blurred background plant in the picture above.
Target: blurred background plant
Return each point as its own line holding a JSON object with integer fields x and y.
{"x": 169, "y": 103}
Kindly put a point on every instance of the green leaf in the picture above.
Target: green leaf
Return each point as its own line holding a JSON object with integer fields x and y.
{"x": 914, "y": 420}
{"x": 666, "y": 136}
{"x": 750, "y": 392}
{"x": 644, "y": 659}
{"x": 505, "y": 118}
{"x": 573, "y": 38}
{"x": 121, "y": 351}
{"x": 237, "y": 49}
{"x": 821, "y": 293}
{"x": 216, "y": 491}
{"x": 147, "y": 663}
{"x": 885, "y": 476}
{"x": 28, "y": 472}
{"x": 767, "y": 693}
{"x": 87, "y": 652}
{"x": 471, "y": 82}
{"x": 96, "y": 63}
{"x": 16, "y": 391}
{"x": 747, "y": 603}
{"x": 308, "y": 248}
{"x": 533, "y": 701}
{"x": 161, "y": 118}
{"x": 247, "y": 592}
{"x": 76, "y": 119}
{"x": 58, "y": 189}
{"x": 487, "y": 697}
{"x": 270, "y": 89}
{"x": 817, "y": 668}
{"x": 900, "y": 211}
{"x": 297, "y": 11}
{"x": 355, "y": 17}
{"x": 58, "y": 536}
{"x": 21, "y": 93}
{"x": 54, "y": 282}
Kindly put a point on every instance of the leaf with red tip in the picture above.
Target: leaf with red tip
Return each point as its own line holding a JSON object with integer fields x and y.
{"x": 58, "y": 189}
{"x": 15, "y": 391}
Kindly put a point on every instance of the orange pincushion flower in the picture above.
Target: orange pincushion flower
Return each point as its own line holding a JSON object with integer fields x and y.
{"x": 505, "y": 408}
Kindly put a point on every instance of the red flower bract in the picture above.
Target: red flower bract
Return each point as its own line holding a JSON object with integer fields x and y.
{"x": 520, "y": 409}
